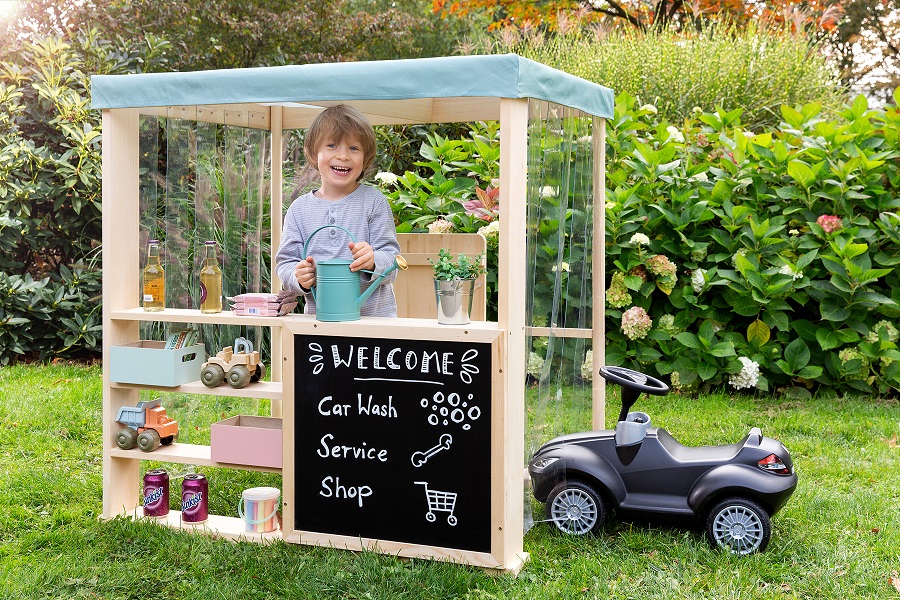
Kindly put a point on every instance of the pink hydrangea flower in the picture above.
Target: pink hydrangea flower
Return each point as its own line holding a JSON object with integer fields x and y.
{"x": 829, "y": 223}
{"x": 636, "y": 323}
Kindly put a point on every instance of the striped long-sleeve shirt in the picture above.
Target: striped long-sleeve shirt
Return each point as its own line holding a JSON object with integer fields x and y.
{"x": 366, "y": 214}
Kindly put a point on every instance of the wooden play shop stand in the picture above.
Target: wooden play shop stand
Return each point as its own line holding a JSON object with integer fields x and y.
{"x": 400, "y": 436}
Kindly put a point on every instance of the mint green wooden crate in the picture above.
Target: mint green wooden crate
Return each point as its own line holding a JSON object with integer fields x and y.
{"x": 147, "y": 362}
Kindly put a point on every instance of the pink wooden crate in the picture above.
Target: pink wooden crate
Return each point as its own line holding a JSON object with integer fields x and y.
{"x": 247, "y": 440}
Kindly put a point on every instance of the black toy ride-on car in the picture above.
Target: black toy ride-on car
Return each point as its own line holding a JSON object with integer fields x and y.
{"x": 735, "y": 489}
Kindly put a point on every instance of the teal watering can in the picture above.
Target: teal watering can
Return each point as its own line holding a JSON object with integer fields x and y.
{"x": 337, "y": 290}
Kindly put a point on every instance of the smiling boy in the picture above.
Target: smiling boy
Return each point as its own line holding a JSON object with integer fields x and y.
{"x": 340, "y": 146}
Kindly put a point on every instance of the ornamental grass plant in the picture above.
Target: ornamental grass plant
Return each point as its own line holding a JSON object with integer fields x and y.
{"x": 755, "y": 68}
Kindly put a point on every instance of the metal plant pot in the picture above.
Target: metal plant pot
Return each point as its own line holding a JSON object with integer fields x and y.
{"x": 454, "y": 300}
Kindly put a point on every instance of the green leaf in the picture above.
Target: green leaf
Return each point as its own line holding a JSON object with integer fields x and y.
{"x": 722, "y": 349}
{"x": 828, "y": 339}
{"x": 797, "y": 354}
{"x": 688, "y": 339}
{"x": 831, "y": 311}
{"x": 706, "y": 371}
{"x": 810, "y": 372}
{"x": 758, "y": 333}
{"x": 801, "y": 173}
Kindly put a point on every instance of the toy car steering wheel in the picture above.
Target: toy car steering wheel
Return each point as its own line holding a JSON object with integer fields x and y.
{"x": 634, "y": 380}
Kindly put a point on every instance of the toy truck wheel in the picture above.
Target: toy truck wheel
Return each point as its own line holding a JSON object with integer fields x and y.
{"x": 126, "y": 438}
{"x": 238, "y": 376}
{"x": 259, "y": 374}
{"x": 739, "y": 525}
{"x": 212, "y": 375}
{"x": 167, "y": 441}
{"x": 575, "y": 508}
{"x": 149, "y": 440}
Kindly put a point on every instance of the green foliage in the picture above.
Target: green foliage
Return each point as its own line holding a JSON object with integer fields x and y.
{"x": 432, "y": 196}
{"x": 786, "y": 244}
{"x": 752, "y": 68}
{"x": 464, "y": 267}
{"x": 50, "y": 190}
{"x": 56, "y": 317}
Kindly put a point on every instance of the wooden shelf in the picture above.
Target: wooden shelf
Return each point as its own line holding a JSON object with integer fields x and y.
{"x": 183, "y": 315}
{"x": 231, "y": 528}
{"x": 189, "y": 454}
{"x": 270, "y": 390}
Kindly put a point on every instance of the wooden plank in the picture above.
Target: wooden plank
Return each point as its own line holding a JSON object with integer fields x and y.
{"x": 255, "y": 116}
{"x": 188, "y": 454}
{"x": 218, "y": 526}
{"x": 414, "y": 287}
{"x": 266, "y": 390}
{"x": 276, "y": 218}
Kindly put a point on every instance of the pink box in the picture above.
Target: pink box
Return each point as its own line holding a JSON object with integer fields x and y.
{"x": 246, "y": 440}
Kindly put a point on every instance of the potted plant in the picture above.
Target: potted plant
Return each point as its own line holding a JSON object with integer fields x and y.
{"x": 454, "y": 281}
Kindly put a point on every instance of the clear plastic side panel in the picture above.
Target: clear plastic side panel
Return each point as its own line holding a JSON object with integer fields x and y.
{"x": 559, "y": 295}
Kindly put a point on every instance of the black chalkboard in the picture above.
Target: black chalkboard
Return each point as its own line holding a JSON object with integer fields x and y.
{"x": 393, "y": 440}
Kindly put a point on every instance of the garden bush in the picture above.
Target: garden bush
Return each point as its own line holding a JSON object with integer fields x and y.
{"x": 756, "y": 259}
{"x": 50, "y": 225}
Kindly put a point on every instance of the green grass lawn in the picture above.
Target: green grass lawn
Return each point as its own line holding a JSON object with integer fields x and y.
{"x": 838, "y": 536}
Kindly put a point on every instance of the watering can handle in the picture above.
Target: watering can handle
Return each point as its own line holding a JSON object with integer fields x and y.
{"x": 309, "y": 239}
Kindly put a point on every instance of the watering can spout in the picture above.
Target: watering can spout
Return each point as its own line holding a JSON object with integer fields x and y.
{"x": 399, "y": 262}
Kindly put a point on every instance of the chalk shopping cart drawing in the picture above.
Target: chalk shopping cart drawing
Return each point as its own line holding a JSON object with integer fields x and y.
{"x": 439, "y": 502}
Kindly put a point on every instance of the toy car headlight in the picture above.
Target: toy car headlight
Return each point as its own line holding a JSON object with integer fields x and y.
{"x": 543, "y": 463}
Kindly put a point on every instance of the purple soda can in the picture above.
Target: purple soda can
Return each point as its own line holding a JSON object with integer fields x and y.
{"x": 194, "y": 499}
{"x": 156, "y": 493}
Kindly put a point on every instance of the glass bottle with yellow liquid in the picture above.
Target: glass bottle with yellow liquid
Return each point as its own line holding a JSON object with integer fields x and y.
{"x": 210, "y": 281}
{"x": 154, "y": 280}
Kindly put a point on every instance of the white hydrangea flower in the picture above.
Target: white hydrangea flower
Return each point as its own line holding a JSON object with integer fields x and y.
{"x": 490, "y": 231}
{"x": 639, "y": 239}
{"x": 386, "y": 177}
{"x": 702, "y": 176}
{"x": 747, "y": 377}
{"x": 610, "y": 205}
{"x": 649, "y": 108}
{"x": 548, "y": 191}
{"x": 789, "y": 270}
{"x": 535, "y": 365}
{"x": 698, "y": 280}
{"x": 675, "y": 134}
{"x": 564, "y": 266}
{"x": 587, "y": 367}
{"x": 440, "y": 226}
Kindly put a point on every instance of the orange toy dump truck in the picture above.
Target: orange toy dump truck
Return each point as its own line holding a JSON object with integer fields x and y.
{"x": 146, "y": 426}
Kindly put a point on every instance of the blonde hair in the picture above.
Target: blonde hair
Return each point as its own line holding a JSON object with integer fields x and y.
{"x": 338, "y": 123}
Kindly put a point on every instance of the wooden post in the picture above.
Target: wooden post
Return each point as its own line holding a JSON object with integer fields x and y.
{"x": 598, "y": 264}
{"x": 121, "y": 283}
{"x": 509, "y": 427}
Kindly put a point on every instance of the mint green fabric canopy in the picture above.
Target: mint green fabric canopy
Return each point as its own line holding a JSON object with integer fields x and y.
{"x": 500, "y": 76}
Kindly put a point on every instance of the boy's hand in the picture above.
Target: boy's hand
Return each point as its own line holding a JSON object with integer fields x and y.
{"x": 363, "y": 256}
{"x": 305, "y": 272}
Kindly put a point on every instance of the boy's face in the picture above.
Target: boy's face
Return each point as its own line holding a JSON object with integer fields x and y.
{"x": 340, "y": 164}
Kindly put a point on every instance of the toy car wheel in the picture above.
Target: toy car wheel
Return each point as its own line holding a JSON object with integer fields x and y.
{"x": 238, "y": 376}
{"x": 739, "y": 525}
{"x": 575, "y": 508}
{"x": 126, "y": 439}
{"x": 259, "y": 374}
{"x": 149, "y": 440}
{"x": 212, "y": 375}
{"x": 167, "y": 441}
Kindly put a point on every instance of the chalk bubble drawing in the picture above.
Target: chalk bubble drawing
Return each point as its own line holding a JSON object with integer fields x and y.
{"x": 451, "y": 409}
